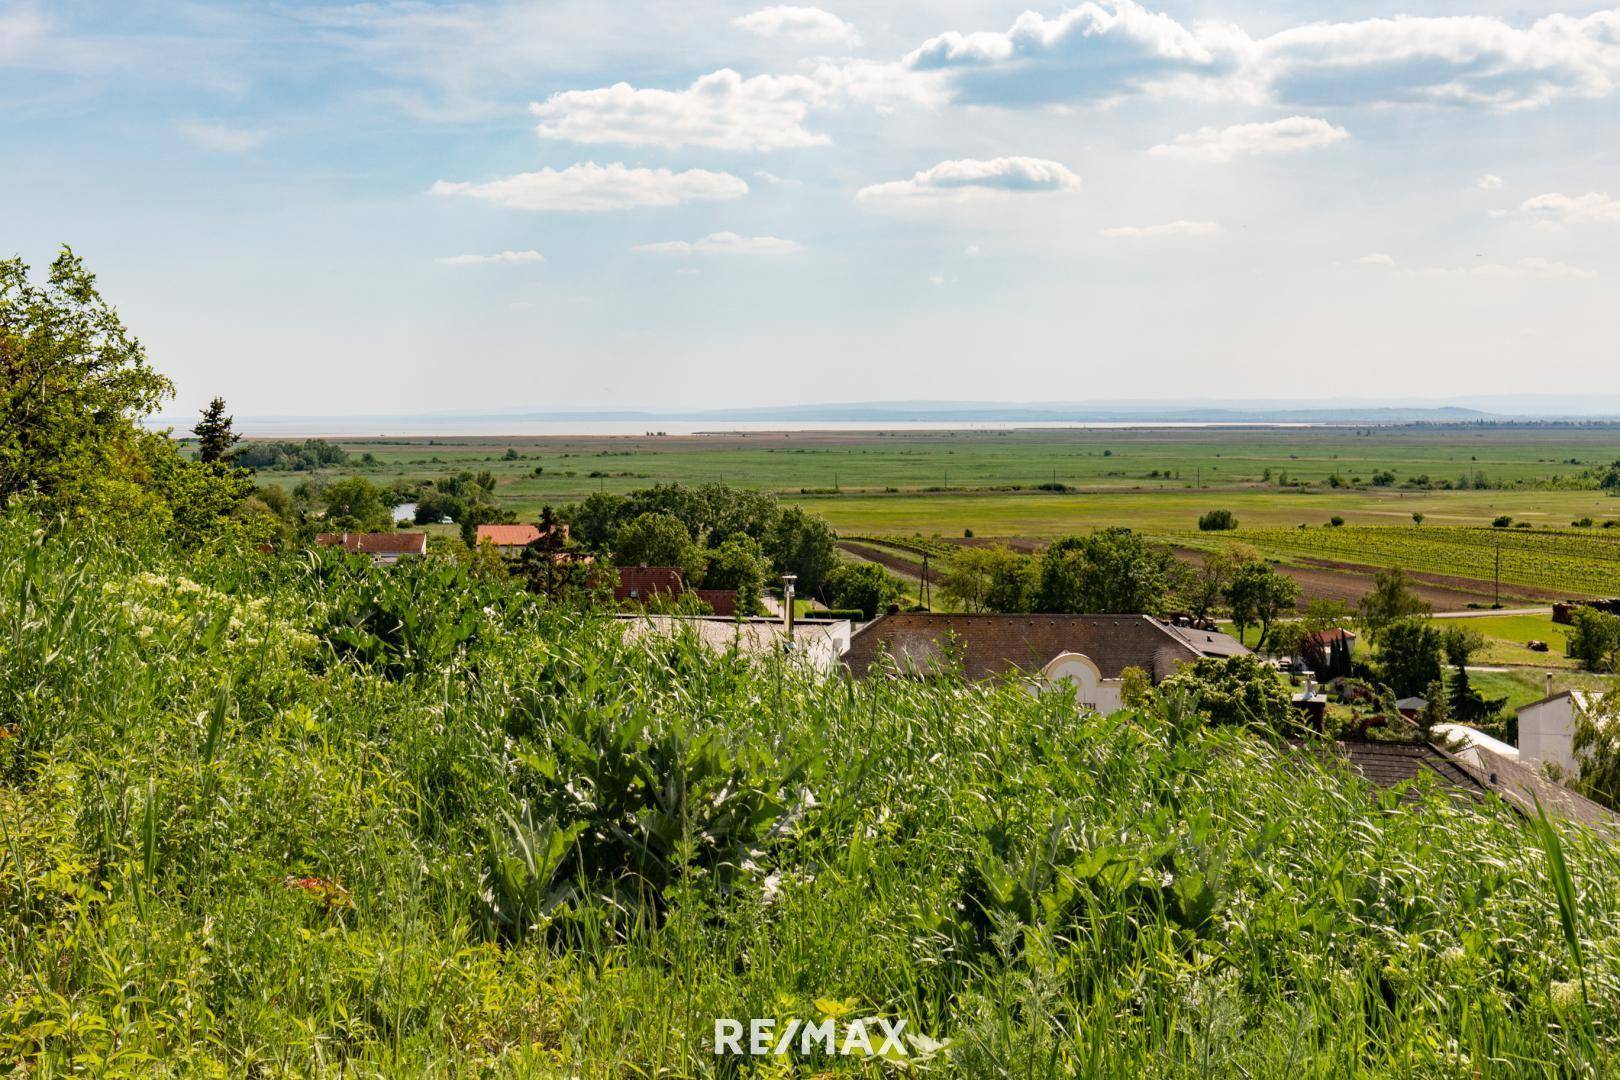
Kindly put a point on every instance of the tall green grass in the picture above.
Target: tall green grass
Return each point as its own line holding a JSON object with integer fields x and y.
{"x": 254, "y": 823}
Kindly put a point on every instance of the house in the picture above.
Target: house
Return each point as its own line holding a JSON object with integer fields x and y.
{"x": 1547, "y": 729}
{"x": 384, "y": 548}
{"x": 643, "y": 583}
{"x": 1091, "y": 652}
{"x": 722, "y": 602}
{"x": 1328, "y": 652}
{"x": 1478, "y": 769}
{"x": 818, "y": 644}
{"x": 510, "y": 540}
{"x": 1410, "y": 707}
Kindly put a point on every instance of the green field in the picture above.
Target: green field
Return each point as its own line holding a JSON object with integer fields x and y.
{"x": 948, "y": 484}
{"x": 1580, "y": 562}
{"x": 1196, "y": 462}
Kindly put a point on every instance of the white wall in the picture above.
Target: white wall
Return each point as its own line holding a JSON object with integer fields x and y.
{"x": 1546, "y": 731}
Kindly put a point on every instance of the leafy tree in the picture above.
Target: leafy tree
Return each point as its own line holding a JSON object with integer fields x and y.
{"x": 1596, "y": 747}
{"x": 356, "y": 505}
{"x": 801, "y": 543}
{"x": 1409, "y": 653}
{"x": 215, "y": 439}
{"x": 1112, "y": 571}
{"x": 657, "y": 539}
{"x": 1390, "y": 600}
{"x": 1435, "y": 711}
{"x": 1594, "y": 639}
{"x": 1465, "y": 703}
{"x": 1217, "y": 521}
{"x": 74, "y": 384}
{"x": 555, "y": 566}
{"x": 306, "y": 456}
{"x": 433, "y": 506}
{"x": 1417, "y": 517}
{"x": 1234, "y": 690}
{"x": 1259, "y": 594}
{"x": 990, "y": 579}
{"x": 1206, "y": 589}
{"x": 866, "y": 586}
{"x": 739, "y": 564}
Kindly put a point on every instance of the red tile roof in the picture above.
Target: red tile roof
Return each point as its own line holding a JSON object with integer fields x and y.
{"x": 508, "y": 535}
{"x": 641, "y": 582}
{"x": 723, "y": 601}
{"x": 394, "y": 543}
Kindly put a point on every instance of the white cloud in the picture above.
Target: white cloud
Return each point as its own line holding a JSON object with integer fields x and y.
{"x": 810, "y": 25}
{"x": 1454, "y": 60}
{"x": 224, "y": 139}
{"x": 1088, "y": 52}
{"x": 721, "y": 243}
{"x": 1589, "y": 209}
{"x": 499, "y": 257}
{"x": 20, "y": 29}
{"x": 1532, "y": 268}
{"x": 1489, "y": 182}
{"x": 1098, "y": 51}
{"x": 970, "y": 178}
{"x": 1169, "y": 228}
{"x": 972, "y": 251}
{"x": 1240, "y": 140}
{"x": 591, "y": 187}
{"x": 720, "y": 110}
{"x": 936, "y": 279}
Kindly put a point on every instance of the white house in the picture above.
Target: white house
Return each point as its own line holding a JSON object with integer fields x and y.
{"x": 1547, "y": 729}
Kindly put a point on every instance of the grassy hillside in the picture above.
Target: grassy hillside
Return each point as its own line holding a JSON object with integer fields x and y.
{"x": 302, "y": 816}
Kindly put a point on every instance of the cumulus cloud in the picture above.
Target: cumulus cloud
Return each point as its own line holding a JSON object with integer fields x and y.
{"x": 591, "y": 187}
{"x": 1489, "y": 182}
{"x": 970, "y": 178}
{"x": 1169, "y": 228}
{"x": 721, "y": 110}
{"x": 1097, "y": 51}
{"x": 1244, "y": 140}
{"x": 1589, "y": 209}
{"x": 1088, "y": 52}
{"x": 498, "y": 257}
{"x": 810, "y": 25}
{"x": 721, "y": 243}
{"x": 224, "y": 139}
{"x": 1458, "y": 60}
{"x": 1377, "y": 258}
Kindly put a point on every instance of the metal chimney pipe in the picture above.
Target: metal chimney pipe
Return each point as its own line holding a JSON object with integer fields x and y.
{"x": 788, "y": 581}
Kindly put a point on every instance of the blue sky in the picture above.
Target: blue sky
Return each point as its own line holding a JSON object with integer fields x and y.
{"x": 410, "y": 206}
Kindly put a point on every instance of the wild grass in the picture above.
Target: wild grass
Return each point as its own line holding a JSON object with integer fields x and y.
{"x": 254, "y": 825}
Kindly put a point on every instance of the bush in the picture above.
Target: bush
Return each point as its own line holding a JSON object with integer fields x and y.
{"x": 1233, "y": 690}
{"x": 865, "y": 587}
{"x": 1217, "y": 521}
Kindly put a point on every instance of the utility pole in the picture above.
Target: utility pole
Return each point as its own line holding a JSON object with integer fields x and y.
{"x": 1499, "y": 574}
{"x": 922, "y": 586}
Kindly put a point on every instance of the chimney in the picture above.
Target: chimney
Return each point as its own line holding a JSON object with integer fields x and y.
{"x": 788, "y": 581}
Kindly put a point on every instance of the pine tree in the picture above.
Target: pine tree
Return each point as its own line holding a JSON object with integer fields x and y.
{"x": 214, "y": 435}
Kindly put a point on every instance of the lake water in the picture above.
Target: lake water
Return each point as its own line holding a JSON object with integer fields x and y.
{"x": 340, "y": 427}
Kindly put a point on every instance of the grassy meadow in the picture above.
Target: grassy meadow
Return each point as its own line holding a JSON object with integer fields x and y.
{"x": 296, "y": 815}
{"x": 1164, "y": 476}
